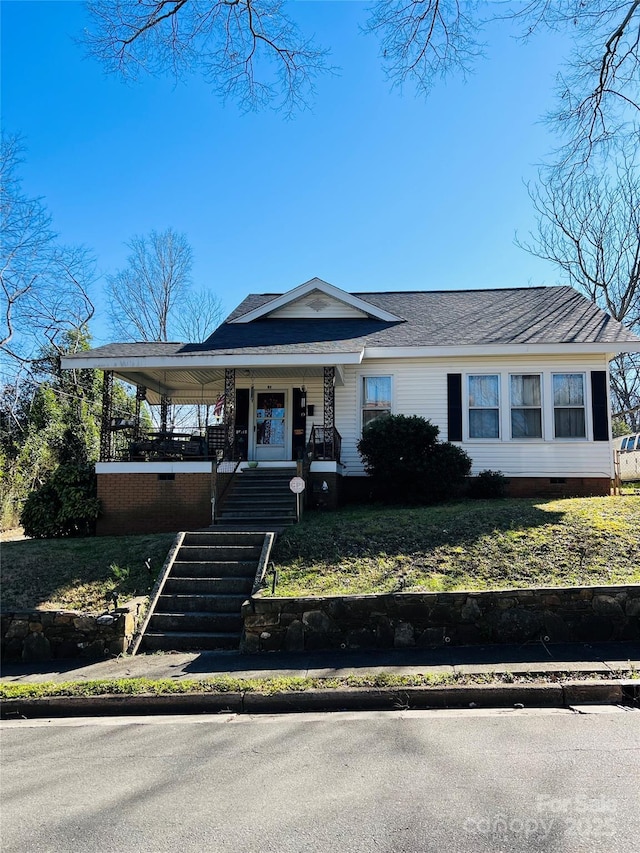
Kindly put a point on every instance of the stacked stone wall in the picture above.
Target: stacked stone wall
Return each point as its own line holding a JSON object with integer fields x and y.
{"x": 405, "y": 620}
{"x": 41, "y": 635}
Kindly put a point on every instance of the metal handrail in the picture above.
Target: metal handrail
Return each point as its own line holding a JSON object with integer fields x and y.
{"x": 216, "y": 499}
{"x": 325, "y": 443}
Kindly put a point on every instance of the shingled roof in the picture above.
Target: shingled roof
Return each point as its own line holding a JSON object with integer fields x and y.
{"x": 446, "y": 318}
{"x": 534, "y": 315}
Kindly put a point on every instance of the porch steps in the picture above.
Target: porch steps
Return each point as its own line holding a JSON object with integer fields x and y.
{"x": 260, "y": 498}
{"x": 199, "y": 607}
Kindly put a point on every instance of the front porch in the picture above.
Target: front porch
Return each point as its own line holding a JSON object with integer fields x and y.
{"x": 250, "y": 415}
{"x": 211, "y": 427}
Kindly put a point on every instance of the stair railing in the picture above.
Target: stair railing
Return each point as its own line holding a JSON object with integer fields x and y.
{"x": 222, "y": 476}
{"x": 156, "y": 592}
{"x": 325, "y": 443}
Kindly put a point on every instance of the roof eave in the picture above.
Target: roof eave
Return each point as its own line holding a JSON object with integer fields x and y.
{"x": 189, "y": 360}
{"x": 607, "y": 348}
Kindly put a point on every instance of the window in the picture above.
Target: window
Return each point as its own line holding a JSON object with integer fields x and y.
{"x": 526, "y": 406}
{"x": 484, "y": 407}
{"x": 376, "y": 398}
{"x": 568, "y": 405}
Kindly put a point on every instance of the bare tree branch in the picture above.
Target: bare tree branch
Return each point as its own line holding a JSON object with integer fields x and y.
{"x": 45, "y": 286}
{"x": 423, "y": 40}
{"x": 248, "y": 50}
{"x": 589, "y": 228}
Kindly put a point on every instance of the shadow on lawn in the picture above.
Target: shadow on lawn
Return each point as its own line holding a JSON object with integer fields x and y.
{"x": 75, "y": 574}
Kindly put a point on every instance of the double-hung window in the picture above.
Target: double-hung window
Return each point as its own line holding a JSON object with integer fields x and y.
{"x": 569, "y": 405}
{"x": 376, "y": 398}
{"x": 484, "y": 406}
{"x": 526, "y": 405}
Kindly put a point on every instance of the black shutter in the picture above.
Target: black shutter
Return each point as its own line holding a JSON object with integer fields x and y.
{"x": 298, "y": 424}
{"x": 454, "y": 407}
{"x": 599, "y": 405}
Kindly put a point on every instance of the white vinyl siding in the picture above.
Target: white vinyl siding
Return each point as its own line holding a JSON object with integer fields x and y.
{"x": 420, "y": 388}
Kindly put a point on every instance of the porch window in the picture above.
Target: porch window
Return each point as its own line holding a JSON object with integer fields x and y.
{"x": 568, "y": 405}
{"x": 376, "y": 398}
{"x": 484, "y": 406}
{"x": 526, "y": 406}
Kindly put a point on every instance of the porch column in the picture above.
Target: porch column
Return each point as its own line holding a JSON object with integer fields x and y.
{"x": 141, "y": 396}
{"x": 165, "y": 406}
{"x": 105, "y": 423}
{"x": 329, "y": 407}
{"x": 229, "y": 418}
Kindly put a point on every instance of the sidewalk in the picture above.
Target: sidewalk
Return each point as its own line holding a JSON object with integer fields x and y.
{"x": 535, "y": 659}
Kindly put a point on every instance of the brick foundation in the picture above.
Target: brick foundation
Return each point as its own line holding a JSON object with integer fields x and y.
{"x": 151, "y": 503}
{"x": 558, "y": 487}
{"x": 358, "y": 489}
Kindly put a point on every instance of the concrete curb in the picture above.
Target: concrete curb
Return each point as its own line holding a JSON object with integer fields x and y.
{"x": 560, "y": 695}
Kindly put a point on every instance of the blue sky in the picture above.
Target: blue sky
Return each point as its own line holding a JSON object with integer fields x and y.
{"x": 372, "y": 190}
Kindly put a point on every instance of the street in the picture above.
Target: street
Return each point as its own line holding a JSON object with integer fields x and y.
{"x": 506, "y": 780}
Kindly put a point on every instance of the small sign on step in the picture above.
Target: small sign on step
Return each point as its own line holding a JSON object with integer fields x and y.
{"x": 297, "y": 485}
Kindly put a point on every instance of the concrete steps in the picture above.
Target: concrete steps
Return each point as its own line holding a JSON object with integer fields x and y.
{"x": 199, "y": 606}
{"x": 259, "y": 498}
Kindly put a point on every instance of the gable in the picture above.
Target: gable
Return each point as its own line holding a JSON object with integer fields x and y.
{"x": 317, "y": 305}
{"x": 321, "y": 292}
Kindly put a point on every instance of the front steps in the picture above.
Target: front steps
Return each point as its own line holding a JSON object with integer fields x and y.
{"x": 199, "y": 605}
{"x": 259, "y": 499}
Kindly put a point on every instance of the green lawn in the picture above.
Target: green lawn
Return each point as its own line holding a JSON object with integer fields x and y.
{"x": 464, "y": 545}
{"x": 75, "y": 574}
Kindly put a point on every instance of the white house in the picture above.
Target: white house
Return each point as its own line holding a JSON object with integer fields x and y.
{"x": 517, "y": 377}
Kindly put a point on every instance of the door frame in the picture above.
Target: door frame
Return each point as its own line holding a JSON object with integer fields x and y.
{"x": 285, "y": 454}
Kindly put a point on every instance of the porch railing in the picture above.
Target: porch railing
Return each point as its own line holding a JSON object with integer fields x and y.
{"x": 325, "y": 443}
{"x": 126, "y": 444}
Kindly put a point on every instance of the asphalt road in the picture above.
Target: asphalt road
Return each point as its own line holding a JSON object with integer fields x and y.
{"x": 510, "y": 780}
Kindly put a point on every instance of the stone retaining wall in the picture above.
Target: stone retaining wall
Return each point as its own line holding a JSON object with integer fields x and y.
{"x": 41, "y": 635}
{"x": 403, "y": 620}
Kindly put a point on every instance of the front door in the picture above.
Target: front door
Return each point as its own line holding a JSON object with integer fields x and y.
{"x": 271, "y": 426}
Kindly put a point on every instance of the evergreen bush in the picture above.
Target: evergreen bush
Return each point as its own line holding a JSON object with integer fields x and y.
{"x": 64, "y": 505}
{"x": 407, "y": 464}
{"x": 488, "y": 485}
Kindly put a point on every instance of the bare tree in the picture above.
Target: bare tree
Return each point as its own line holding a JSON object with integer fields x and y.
{"x": 144, "y": 296}
{"x": 589, "y": 228}
{"x": 45, "y": 286}
{"x": 199, "y": 315}
{"x": 248, "y": 50}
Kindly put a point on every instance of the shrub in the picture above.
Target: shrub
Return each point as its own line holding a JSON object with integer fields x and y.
{"x": 65, "y": 505}
{"x": 488, "y": 485}
{"x": 407, "y": 463}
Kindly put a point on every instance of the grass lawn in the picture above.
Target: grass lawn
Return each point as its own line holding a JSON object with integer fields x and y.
{"x": 463, "y": 545}
{"x": 75, "y": 574}
{"x": 290, "y": 684}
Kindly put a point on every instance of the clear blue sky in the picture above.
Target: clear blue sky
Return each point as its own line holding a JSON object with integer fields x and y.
{"x": 370, "y": 191}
